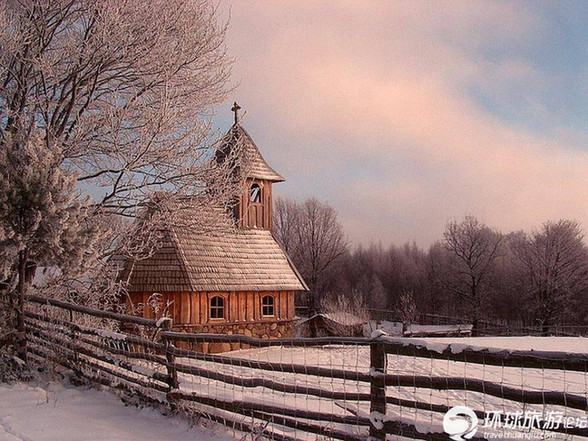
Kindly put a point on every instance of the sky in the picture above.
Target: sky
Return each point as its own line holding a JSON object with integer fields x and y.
{"x": 404, "y": 115}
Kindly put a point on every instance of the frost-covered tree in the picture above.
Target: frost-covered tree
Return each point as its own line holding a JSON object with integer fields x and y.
{"x": 372, "y": 291}
{"x": 314, "y": 239}
{"x": 554, "y": 268}
{"x": 125, "y": 90}
{"x": 285, "y": 221}
{"x": 42, "y": 219}
{"x": 117, "y": 96}
{"x": 406, "y": 309}
{"x": 472, "y": 249}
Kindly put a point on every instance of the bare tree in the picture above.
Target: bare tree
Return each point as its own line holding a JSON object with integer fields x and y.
{"x": 286, "y": 215}
{"x": 315, "y": 240}
{"x": 122, "y": 95}
{"x": 372, "y": 291}
{"x": 125, "y": 89}
{"x": 472, "y": 249}
{"x": 555, "y": 268}
{"x": 406, "y": 309}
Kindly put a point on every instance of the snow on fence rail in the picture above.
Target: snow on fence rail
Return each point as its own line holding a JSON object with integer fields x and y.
{"x": 299, "y": 389}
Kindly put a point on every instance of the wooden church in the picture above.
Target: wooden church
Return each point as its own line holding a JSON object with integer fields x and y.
{"x": 231, "y": 280}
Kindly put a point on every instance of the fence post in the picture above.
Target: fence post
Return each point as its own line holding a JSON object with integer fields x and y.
{"x": 21, "y": 339}
{"x": 377, "y": 389}
{"x": 172, "y": 373}
{"x": 74, "y": 337}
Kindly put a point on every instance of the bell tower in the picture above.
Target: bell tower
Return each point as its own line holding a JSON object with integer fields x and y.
{"x": 254, "y": 209}
{"x": 255, "y": 205}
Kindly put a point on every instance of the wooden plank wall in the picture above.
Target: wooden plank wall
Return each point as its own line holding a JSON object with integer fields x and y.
{"x": 194, "y": 308}
{"x": 258, "y": 215}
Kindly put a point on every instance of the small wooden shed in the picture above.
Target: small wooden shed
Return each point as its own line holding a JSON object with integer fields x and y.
{"x": 341, "y": 324}
{"x": 231, "y": 280}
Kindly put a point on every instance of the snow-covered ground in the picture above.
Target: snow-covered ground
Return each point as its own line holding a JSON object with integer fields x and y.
{"x": 58, "y": 413}
{"x": 357, "y": 359}
{"x": 66, "y": 413}
{"x": 577, "y": 345}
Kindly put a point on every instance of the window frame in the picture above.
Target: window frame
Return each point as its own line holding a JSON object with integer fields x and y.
{"x": 271, "y": 304}
{"x": 259, "y": 194}
{"x": 217, "y": 308}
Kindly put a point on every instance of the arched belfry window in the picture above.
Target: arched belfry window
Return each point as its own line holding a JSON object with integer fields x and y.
{"x": 267, "y": 306}
{"x": 256, "y": 194}
{"x": 217, "y": 307}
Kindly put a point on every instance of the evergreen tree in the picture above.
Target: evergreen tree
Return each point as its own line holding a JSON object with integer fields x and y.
{"x": 42, "y": 220}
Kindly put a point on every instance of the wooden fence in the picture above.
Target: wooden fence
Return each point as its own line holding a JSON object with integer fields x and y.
{"x": 288, "y": 389}
{"x": 506, "y": 328}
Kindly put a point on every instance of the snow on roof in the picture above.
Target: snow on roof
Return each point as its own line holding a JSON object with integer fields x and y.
{"x": 255, "y": 165}
{"x": 230, "y": 260}
{"x": 344, "y": 318}
{"x": 340, "y": 318}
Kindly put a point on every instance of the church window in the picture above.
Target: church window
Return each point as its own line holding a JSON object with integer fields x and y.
{"x": 267, "y": 306}
{"x": 217, "y": 307}
{"x": 256, "y": 194}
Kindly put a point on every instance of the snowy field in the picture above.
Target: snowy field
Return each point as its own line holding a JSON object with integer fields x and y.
{"x": 59, "y": 413}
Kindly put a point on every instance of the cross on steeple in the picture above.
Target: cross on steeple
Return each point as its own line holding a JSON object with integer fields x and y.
{"x": 235, "y": 109}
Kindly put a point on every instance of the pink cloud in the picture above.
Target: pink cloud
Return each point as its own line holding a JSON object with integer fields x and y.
{"x": 381, "y": 89}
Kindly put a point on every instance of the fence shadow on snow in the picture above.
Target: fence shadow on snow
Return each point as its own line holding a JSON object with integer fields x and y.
{"x": 303, "y": 389}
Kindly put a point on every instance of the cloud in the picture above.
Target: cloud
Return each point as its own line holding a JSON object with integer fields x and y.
{"x": 375, "y": 108}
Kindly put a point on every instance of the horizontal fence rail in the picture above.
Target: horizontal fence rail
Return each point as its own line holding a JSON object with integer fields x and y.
{"x": 306, "y": 389}
{"x": 122, "y": 318}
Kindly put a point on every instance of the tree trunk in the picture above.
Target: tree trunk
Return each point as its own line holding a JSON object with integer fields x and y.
{"x": 476, "y": 312}
{"x": 22, "y": 290}
{"x": 475, "y": 326}
{"x": 545, "y": 327}
{"x": 311, "y": 313}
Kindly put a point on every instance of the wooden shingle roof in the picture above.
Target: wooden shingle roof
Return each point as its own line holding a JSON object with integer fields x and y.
{"x": 253, "y": 161}
{"x": 232, "y": 260}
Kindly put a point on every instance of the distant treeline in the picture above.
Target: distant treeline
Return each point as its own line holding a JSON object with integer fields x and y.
{"x": 534, "y": 279}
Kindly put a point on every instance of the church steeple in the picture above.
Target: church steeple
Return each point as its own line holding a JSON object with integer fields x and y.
{"x": 255, "y": 206}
